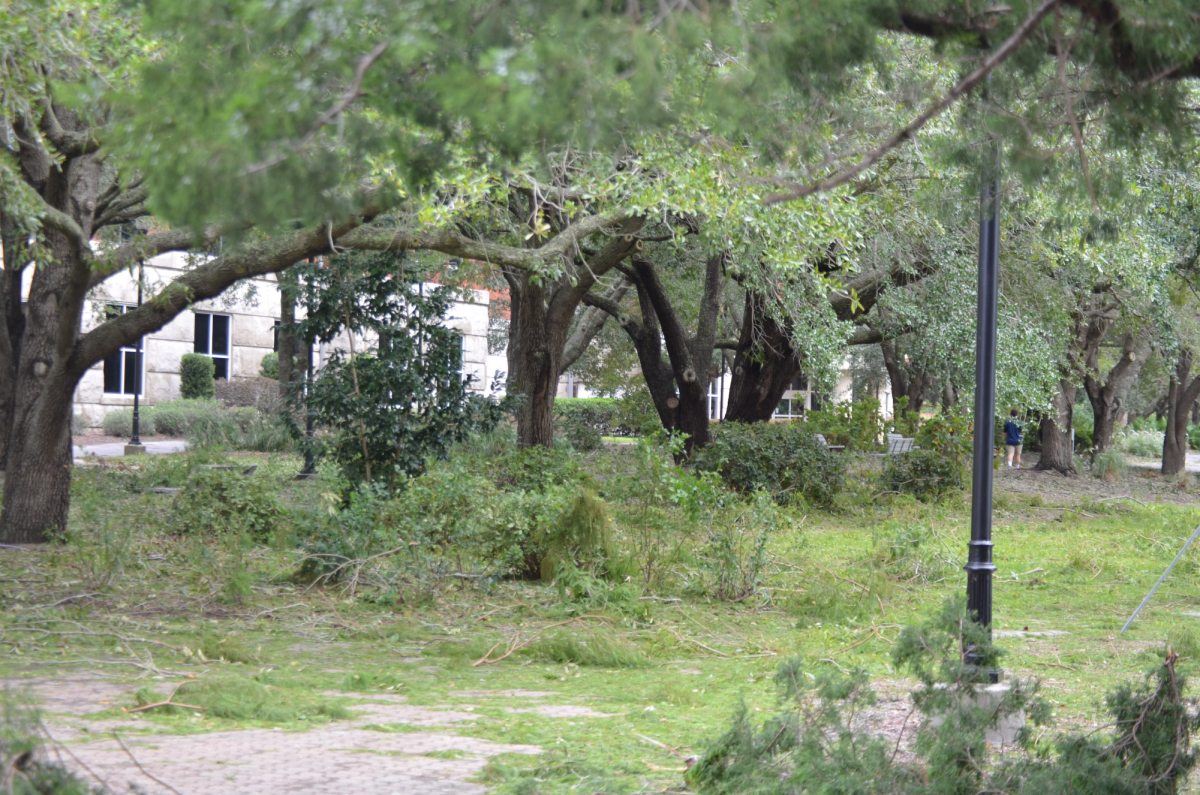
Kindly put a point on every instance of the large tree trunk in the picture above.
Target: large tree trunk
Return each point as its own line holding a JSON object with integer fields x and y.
{"x": 905, "y": 381}
{"x": 764, "y": 365}
{"x": 535, "y": 348}
{"x": 37, "y": 484}
{"x": 12, "y": 327}
{"x": 691, "y": 355}
{"x": 539, "y": 325}
{"x": 1055, "y": 430}
{"x": 1108, "y": 398}
{"x": 1179, "y": 403}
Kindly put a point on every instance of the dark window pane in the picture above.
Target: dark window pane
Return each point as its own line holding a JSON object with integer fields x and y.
{"x": 220, "y": 334}
{"x": 112, "y": 373}
{"x": 784, "y": 407}
{"x": 113, "y": 310}
{"x": 800, "y": 382}
{"x": 130, "y": 385}
{"x": 201, "y": 345}
{"x": 221, "y": 368}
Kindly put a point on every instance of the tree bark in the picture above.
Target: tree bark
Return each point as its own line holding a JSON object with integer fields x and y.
{"x": 646, "y": 337}
{"x": 287, "y": 334}
{"x": 541, "y": 315}
{"x": 1108, "y": 398}
{"x": 764, "y": 365}
{"x": 690, "y": 355}
{"x": 1179, "y": 403}
{"x": 905, "y": 381}
{"x": 1055, "y": 431}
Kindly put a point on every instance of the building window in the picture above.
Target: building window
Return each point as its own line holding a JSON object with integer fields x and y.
{"x": 121, "y": 376}
{"x": 212, "y": 339}
{"x": 790, "y": 408}
{"x": 714, "y": 399}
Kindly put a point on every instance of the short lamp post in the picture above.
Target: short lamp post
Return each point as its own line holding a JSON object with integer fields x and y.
{"x": 135, "y": 446}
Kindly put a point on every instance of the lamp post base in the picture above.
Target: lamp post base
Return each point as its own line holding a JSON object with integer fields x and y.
{"x": 135, "y": 449}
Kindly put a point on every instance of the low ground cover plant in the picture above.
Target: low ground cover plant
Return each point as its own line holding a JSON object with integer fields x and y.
{"x": 785, "y": 459}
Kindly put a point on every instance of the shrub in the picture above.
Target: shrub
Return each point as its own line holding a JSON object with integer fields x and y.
{"x": 1140, "y": 444}
{"x": 222, "y": 501}
{"x": 1194, "y": 437}
{"x": 926, "y": 474}
{"x": 635, "y": 414}
{"x": 597, "y": 413}
{"x": 196, "y": 373}
{"x": 215, "y": 431}
{"x": 1109, "y": 464}
{"x": 120, "y": 422}
{"x": 785, "y": 459}
{"x": 857, "y": 425}
{"x": 269, "y": 367}
{"x": 580, "y": 435}
{"x": 178, "y": 416}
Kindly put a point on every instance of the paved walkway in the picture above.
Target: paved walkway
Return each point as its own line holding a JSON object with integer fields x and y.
{"x": 388, "y": 748}
{"x": 1192, "y": 465}
{"x": 116, "y": 449}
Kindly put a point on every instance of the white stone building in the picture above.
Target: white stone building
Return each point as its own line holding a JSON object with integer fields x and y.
{"x": 237, "y": 329}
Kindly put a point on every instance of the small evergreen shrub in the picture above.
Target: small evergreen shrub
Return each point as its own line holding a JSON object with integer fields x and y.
{"x": 1194, "y": 437}
{"x": 269, "y": 367}
{"x": 785, "y": 459}
{"x": 120, "y": 422}
{"x": 926, "y": 474}
{"x": 196, "y": 373}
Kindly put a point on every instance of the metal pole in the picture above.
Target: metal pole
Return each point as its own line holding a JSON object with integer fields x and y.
{"x": 979, "y": 558}
{"x": 309, "y": 464}
{"x": 137, "y": 358}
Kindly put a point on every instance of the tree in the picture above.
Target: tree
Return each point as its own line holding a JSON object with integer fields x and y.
{"x": 1181, "y": 394}
{"x": 396, "y": 397}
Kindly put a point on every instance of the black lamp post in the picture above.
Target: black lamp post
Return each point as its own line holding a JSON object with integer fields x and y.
{"x": 136, "y": 440}
{"x": 309, "y": 463}
{"x": 979, "y": 558}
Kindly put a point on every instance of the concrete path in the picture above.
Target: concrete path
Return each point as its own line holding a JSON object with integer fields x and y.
{"x": 1192, "y": 465}
{"x": 388, "y": 748}
{"x": 116, "y": 449}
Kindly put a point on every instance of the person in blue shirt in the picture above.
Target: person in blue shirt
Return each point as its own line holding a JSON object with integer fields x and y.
{"x": 1012, "y": 440}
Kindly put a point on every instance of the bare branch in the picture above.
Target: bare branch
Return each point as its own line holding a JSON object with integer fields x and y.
{"x": 960, "y": 90}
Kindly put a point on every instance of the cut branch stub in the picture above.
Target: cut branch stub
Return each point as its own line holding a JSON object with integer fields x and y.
{"x": 689, "y": 375}
{"x": 673, "y": 403}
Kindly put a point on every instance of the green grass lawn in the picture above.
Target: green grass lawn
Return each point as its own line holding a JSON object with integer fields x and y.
{"x": 838, "y": 589}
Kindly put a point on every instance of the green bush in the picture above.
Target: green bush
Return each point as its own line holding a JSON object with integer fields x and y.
{"x": 580, "y": 435}
{"x": 215, "y": 431}
{"x": 222, "y": 501}
{"x": 1109, "y": 465}
{"x": 269, "y": 368}
{"x": 1140, "y": 444}
{"x": 120, "y": 422}
{"x": 785, "y": 459}
{"x": 196, "y": 373}
{"x": 1194, "y": 437}
{"x": 1084, "y": 424}
{"x": 857, "y": 425}
{"x": 926, "y": 474}
{"x": 177, "y": 417}
{"x": 636, "y": 415}
{"x": 597, "y": 413}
